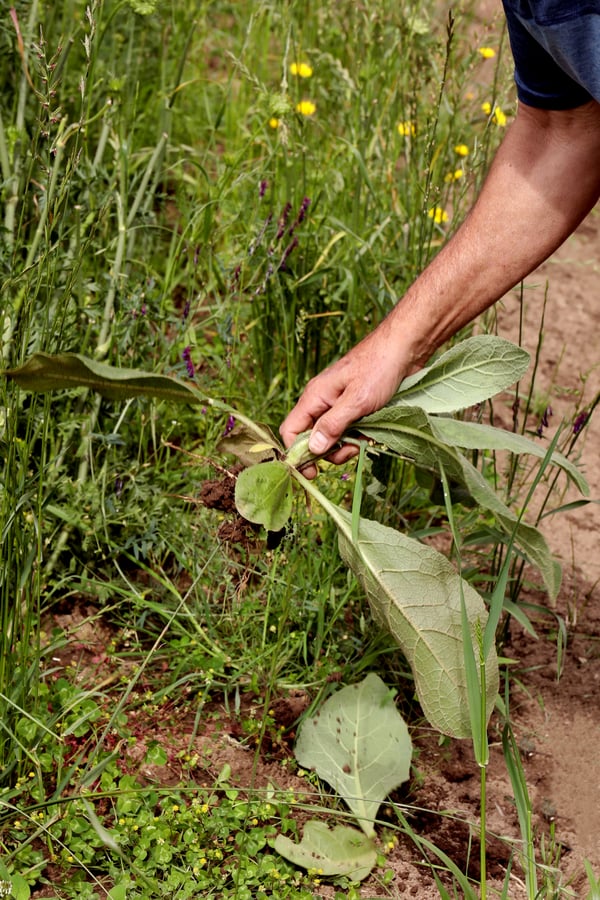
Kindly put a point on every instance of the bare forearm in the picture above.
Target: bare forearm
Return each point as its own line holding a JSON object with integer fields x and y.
{"x": 544, "y": 180}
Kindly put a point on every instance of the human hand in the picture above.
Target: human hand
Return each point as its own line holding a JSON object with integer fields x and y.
{"x": 358, "y": 384}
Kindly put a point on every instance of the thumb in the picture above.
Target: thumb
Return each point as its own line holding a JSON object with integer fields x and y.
{"x": 319, "y": 441}
{"x": 330, "y": 427}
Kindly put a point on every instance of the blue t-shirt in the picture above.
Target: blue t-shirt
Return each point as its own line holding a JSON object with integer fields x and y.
{"x": 556, "y": 48}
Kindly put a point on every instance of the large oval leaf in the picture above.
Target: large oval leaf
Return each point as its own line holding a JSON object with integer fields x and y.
{"x": 359, "y": 743}
{"x": 416, "y": 594}
{"x": 263, "y": 494}
{"x": 468, "y": 373}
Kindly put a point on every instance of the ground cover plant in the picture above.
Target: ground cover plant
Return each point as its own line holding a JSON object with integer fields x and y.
{"x": 229, "y": 195}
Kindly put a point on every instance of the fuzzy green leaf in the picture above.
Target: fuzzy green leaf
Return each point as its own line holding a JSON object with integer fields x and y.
{"x": 415, "y": 593}
{"x": 359, "y": 743}
{"x": 340, "y": 850}
{"x": 263, "y": 494}
{"x": 409, "y": 432}
{"x": 44, "y": 372}
{"x": 476, "y": 436}
{"x": 468, "y": 373}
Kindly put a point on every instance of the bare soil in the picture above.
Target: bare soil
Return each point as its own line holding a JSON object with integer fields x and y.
{"x": 561, "y": 714}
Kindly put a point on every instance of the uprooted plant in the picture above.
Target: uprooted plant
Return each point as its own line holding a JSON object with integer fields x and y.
{"x": 437, "y": 618}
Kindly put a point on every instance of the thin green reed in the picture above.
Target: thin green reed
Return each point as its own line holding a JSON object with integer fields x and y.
{"x": 21, "y": 552}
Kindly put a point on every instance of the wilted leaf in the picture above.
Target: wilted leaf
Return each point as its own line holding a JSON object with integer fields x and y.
{"x": 243, "y": 444}
{"x": 468, "y": 373}
{"x": 528, "y": 538}
{"x": 45, "y": 372}
{"x": 337, "y": 851}
{"x": 263, "y": 494}
{"x": 359, "y": 743}
{"x": 416, "y": 594}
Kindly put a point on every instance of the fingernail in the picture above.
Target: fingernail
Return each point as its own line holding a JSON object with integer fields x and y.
{"x": 318, "y": 443}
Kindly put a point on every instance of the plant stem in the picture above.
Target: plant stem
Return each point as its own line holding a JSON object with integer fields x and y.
{"x": 483, "y": 779}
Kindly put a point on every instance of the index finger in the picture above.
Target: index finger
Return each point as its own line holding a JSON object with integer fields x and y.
{"x": 309, "y": 408}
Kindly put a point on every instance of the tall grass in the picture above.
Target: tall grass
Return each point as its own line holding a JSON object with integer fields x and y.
{"x": 78, "y": 205}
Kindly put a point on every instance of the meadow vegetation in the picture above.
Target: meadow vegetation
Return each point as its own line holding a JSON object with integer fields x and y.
{"x": 231, "y": 194}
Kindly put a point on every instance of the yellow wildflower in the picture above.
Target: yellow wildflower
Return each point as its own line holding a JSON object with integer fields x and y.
{"x": 453, "y": 176}
{"x": 487, "y": 52}
{"x": 302, "y": 69}
{"x": 499, "y": 118}
{"x": 406, "y": 129}
{"x": 306, "y": 108}
{"x": 461, "y": 150}
{"x": 274, "y": 123}
{"x": 438, "y": 215}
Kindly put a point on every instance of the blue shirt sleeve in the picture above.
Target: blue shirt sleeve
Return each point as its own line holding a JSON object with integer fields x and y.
{"x": 556, "y": 49}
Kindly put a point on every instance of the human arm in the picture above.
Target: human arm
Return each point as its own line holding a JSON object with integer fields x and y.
{"x": 543, "y": 181}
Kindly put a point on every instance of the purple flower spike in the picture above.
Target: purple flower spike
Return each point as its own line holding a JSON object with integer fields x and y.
{"x": 544, "y": 421}
{"x": 303, "y": 209}
{"x": 229, "y": 426}
{"x": 187, "y": 358}
{"x": 580, "y": 421}
{"x": 262, "y": 188}
{"x": 283, "y": 220}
